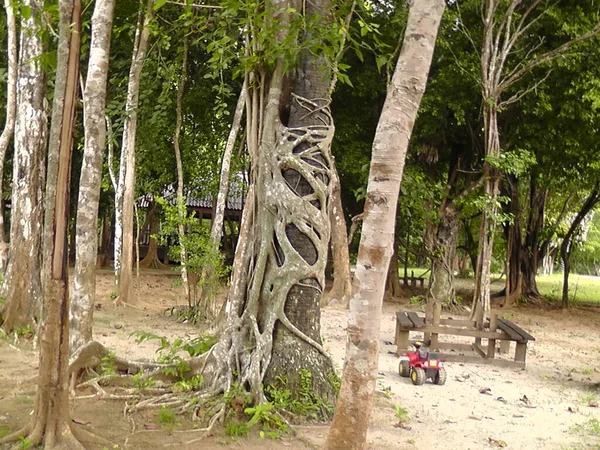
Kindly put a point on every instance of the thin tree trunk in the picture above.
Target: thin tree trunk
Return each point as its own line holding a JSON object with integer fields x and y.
{"x": 181, "y": 203}
{"x": 51, "y": 424}
{"x": 342, "y": 284}
{"x": 125, "y": 279}
{"x": 11, "y": 109}
{"x": 216, "y": 231}
{"x": 566, "y": 248}
{"x": 22, "y": 283}
{"x": 94, "y": 102}
{"x": 349, "y": 428}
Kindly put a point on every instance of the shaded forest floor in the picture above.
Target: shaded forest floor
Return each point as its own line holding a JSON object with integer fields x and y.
{"x": 561, "y": 383}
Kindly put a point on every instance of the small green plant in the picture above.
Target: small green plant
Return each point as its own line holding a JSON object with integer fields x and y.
{"x": 113, "y": 295}
{"x": 588, "y": 398}
{"x": 265, "y": 414}
{"x": 418, "y": 300}
{"x": 587, "y": 371}
{"x": 335, "y": 381}
{"x": 108, "y": 364}
{"x": 401, "y": 414}
{"x": 591, "y": 427}
{"x": 165, "y": 416}
{"x": 24, "y": 331}
{"x": 237, "y": 429}
{"x": 24, "y": 443}
{"x": 193, "y": 384}
{"x": 141, "y": 381}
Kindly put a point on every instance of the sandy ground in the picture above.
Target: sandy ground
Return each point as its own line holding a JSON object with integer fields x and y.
{"x": 562, "y": 380}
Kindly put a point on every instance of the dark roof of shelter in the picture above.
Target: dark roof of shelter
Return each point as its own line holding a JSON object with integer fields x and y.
{"x": 235, "y": 197}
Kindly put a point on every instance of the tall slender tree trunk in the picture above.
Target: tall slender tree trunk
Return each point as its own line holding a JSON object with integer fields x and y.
{"x": 342, "y": 283}
{"x": 11, "y": 109}
{"x": 22, "y": 287}
{"x": 566, "y": 248}
{"x": 51, "y": 423}
{"x": 181, "y": 203}
{"x": 127, "y": 168}
{"x": 532, "y": 250}
{"x": 351, "y": 420}
{"x": 94, "y": 102}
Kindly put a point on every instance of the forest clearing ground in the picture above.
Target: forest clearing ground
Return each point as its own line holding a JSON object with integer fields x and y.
{"x": 561, "y": 381}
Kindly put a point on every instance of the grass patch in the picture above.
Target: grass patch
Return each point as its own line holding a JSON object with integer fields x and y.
{"x": 582, "y": 288}
{"x": 591, "y": 428}
{"x": 4, "y": 431}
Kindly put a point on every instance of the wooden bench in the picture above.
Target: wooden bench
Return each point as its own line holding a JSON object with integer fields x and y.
{"x": 413, "y": 280}
{"x": 498, "y": 329}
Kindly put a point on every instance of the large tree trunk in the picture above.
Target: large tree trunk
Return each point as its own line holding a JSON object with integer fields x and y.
{"x": 22, "y": 283}
{"x": 309, "y": 183}
{"x": 566, "y": 248}
{"x": 151, "y": 260}
{"x": 351, "y": 420}
{"x": 531, "y": 255}
{"x": 51, "y": 424}
{"x": 86, "y": 251}
{"x": 443, "y": 252}
{"x": 11, "y": 109}
{"x": 127, "y": 179}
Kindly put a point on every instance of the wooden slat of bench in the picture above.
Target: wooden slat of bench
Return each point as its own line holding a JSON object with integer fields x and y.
{"x": 403, "y": 320}
{"x": 515, "y": 332}
{"x": 419, "y": 322}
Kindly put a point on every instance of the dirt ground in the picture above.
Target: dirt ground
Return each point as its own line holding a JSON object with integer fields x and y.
{"x": 551, "y": 405}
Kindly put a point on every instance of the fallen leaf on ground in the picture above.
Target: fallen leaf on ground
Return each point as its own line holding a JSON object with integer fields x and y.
{"x": 474, "y": 418}
{"x": 501, "y": 399}
{"x": 497, "y": 443}
{"x": 403, "y": 426}
{"x": 485, "y": 390}
{"x": 572, "y": 410}
{"x": 518, "y": 416}
{"x": 593, "y": 404}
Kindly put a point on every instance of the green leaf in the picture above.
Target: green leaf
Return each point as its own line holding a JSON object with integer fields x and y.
{"x": 159, "y": 4}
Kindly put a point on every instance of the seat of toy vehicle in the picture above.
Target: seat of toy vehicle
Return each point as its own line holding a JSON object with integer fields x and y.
{"x": 423, "y": 354}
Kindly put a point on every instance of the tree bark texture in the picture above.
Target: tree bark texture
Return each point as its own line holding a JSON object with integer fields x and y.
{"x": 51, "y": 424}
{"x": 351, "y": 420}
{"x": 127, "y": 168}
{"x": 22, "y": 283}
{"x": 342, "y": 282}
{"x": 94, "y": 101}
{"x": 443, "y": 252}
{"x": 566, "y": 248}
{"x": 11, "y": 109}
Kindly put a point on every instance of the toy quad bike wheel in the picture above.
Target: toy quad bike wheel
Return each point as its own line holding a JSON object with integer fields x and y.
{"x": 440, "y": 377}
{"x": 404, "y": 368}
{"x": 417, "y": 376}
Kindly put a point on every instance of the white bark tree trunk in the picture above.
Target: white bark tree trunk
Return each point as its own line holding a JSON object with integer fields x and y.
{"x": 50, "y": 426}
{"x": 127, "y": 180}
{"x": 349, "y": 427}
{"x": 22, "y": 283}
{"x": 216, "y": 231}
{"x": 11, "y": 109}
{"x": 94, "y": 102}
{"x": 181, "y": 202}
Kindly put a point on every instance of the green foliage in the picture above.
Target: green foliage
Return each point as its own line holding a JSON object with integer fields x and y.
{"x": 167, "y": 419}
{"x": 141, "y": 381}
{"x": 303, "y": 402}
{"x": 591, "y": 427}
{"x": 515, "y": 162}
{"x": 401, "y": 414}
{"x": 24, "y": 331}
{"x": 237, "y": 429}
{"x": 108, "y": 364}
{"x": 335, "y": 380}
{"x": 264, "y": 414}
{"x": 112, "y": 295}
{"x": 4, "y": 431}
{"x": 192, "y": 384}
{"x": 24, "y": 443}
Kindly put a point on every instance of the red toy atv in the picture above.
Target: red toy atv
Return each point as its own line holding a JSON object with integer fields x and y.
{"x": 422, "y": 365}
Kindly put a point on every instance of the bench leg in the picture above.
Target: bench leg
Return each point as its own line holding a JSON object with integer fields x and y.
{"x": 437, "y": 310}
{"x": 402, "y": 342}
{"x": 521, "y": 352}
{"x": 491, "y": 350}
